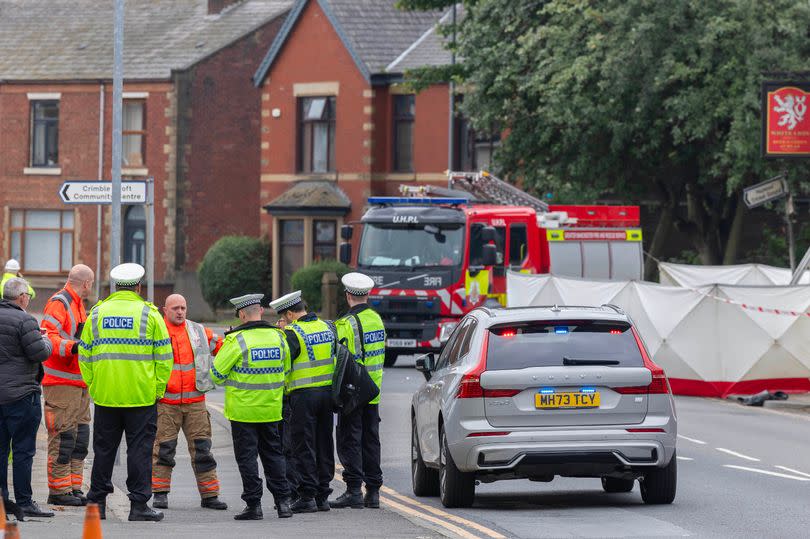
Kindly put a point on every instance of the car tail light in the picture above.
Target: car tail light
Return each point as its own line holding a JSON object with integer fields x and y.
{"x": 645, "y": 430}
{"x": 659, "y": 384}
{"x": 479, "y": 434}
{"x": 470, "y": 385}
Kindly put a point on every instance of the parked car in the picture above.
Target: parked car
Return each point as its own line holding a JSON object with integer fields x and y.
{"x": 542, "y": 392}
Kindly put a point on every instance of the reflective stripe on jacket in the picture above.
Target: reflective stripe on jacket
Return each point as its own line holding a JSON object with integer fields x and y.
{"x": 63, "y": 314}
{"x": 316, "y": 359}
{"x": 125, "y": 354}
{"x": 192, "y": 348}
{"x": 252, "y": 365}
{"x": 372, "y": 354}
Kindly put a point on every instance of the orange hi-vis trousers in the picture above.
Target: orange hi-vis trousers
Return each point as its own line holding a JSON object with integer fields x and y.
{"x": 67, "y": 419}
{"x": 195, "y": 422}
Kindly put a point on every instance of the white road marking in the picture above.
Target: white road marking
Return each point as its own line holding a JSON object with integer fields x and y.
{"x": 791, "y": 470}
{"x": 699, "y": 442}
{"x": 735, "y": 454}
{"x": 684, "y": 458}
{"x": 767, "y": 472}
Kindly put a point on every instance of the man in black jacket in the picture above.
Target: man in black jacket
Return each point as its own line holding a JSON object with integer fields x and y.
{"x": 22, "y": 350}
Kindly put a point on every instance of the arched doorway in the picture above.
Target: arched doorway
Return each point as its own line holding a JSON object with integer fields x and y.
{"x": 135, "y": 235}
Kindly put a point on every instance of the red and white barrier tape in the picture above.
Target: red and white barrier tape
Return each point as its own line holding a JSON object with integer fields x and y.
{"x": 756, "y": 308}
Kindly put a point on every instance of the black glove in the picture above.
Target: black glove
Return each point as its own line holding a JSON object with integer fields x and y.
{"x": 74, "y": 349}
{"x": 79, "y": 330}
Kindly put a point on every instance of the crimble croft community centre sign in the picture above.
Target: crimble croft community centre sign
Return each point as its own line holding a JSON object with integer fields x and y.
{"x": 786, "y": 122}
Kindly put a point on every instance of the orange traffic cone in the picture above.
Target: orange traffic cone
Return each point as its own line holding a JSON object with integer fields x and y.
{"x": 92, "y": 522}
{"x": 12, "y": 532}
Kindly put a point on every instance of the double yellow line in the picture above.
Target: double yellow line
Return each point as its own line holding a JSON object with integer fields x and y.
{"x": 408, "y": 507}
{"x": 412, "y": 508}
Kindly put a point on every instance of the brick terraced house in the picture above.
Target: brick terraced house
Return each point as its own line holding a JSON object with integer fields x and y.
{"x": 339, "y": 126}
{"x": 191, "y": 121}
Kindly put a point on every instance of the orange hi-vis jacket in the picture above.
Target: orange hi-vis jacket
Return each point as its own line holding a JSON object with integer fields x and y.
{"x": 182, "y": 388}
{"x": 63, "y": 314}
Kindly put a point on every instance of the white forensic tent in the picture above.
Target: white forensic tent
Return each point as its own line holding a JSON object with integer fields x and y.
{"x": 690, "y": 276}
{"x": 707, "y": 346}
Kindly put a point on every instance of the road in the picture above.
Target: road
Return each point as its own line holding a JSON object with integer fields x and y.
{"x": 743, "y": 472}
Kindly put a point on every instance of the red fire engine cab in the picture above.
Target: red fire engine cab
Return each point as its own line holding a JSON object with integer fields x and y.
{"x": 435, "y": 258}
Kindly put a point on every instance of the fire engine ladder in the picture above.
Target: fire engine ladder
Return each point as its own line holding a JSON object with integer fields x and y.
{"x": 485, "y": 186}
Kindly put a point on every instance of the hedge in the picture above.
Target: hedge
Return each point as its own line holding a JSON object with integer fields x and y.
{"x": 233, "y": 266}
{"x": 308, "y": 280}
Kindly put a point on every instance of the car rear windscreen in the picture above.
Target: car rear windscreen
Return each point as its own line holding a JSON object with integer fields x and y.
{"x": 548, "y": 344}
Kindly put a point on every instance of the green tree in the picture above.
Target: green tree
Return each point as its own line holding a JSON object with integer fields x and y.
{"x": 233, "y": 266}
{"x": 632, "y": 99}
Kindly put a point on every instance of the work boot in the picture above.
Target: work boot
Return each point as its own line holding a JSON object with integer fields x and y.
{"x": 161, "y": 500}
{"x": 323, "y": 504}
{"x": 79, "y": 494}
{"x": 64, "y": 499}
{"x": 284, "y": 510}
{"x": 142, "y": 512}
{"x": 31, "y": 509}
{"x": 250, "y": 512}
{"x": 372, "y": 498}
{"x": 102, "y": 508}
{"x": 212, "y": 503}
{"x": 351, "y": 498}
{"x": 304, "y": 505}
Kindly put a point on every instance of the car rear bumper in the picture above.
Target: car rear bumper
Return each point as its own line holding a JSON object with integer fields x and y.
{"x": 581, "y": 452}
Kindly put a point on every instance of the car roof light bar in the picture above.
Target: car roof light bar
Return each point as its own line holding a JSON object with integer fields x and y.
{"x": 417, "y": 200}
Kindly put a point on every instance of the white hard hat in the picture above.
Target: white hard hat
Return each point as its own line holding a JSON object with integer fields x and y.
{"x": 12, "y": 265}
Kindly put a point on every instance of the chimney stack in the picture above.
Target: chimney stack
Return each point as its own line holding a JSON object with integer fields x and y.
{"x": 216, "y": 7}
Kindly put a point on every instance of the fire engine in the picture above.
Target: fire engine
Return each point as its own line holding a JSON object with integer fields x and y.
{"x": 435, "y": 253}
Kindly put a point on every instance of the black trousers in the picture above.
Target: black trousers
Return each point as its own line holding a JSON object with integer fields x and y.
{"x": 19, "y": 421}
{"x": 139, "y": 424}
{"x": 262, "y": 440}
{"x": 358, "y": 447}
{"x": 312, "y": 425}
{"x": 289, "y": 450}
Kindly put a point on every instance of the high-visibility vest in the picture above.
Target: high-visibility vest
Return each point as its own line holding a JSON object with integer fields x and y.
{"x": 193, "y": 347}
{"x": 63, "y": 314}
{"x": 252, "y": 365}
{"x": 125, "y": 354}
{"x": 6, "y": 277}
{"x": 372, "y": 353}
{"x": 315, "y": 363}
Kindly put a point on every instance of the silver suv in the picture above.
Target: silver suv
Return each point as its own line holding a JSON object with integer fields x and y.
{"x": 539, "y": 392}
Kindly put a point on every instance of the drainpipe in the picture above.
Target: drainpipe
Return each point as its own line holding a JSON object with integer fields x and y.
{"x": 99, "y": 273}
{"x": 450, "y": 131}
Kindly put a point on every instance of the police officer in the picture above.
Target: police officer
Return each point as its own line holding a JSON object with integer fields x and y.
{"x": 309, "y": 384}
{"x": 252, "y": 365}
{"x": 358, "y": 433}
{"x": 125, "y": 357}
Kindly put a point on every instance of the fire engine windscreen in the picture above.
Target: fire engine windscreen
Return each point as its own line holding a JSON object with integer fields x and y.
{"x": 411, "y": 246}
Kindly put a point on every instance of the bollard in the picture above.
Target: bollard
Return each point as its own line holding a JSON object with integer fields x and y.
{"x": 329, "y": 296}
{"x": 92, "y": 522}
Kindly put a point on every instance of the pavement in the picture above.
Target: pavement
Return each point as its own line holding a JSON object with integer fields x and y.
{"x": 743, "y": 472}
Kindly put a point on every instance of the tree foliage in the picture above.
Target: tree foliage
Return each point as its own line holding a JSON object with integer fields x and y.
{"x": 632, "y": 99}
{"x": 233, "y": 266}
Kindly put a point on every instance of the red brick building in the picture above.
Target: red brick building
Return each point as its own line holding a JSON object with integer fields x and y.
{"x": 191, "y": 121}
{"x": 338, "y": 126}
